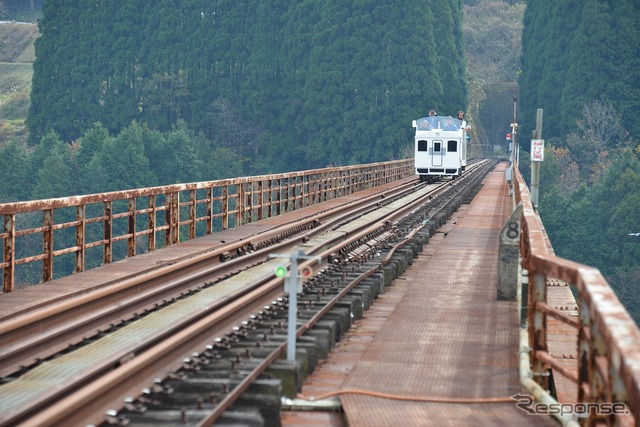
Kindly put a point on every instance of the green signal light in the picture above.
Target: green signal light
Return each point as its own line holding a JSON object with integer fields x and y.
{"x": 281, "y": 271}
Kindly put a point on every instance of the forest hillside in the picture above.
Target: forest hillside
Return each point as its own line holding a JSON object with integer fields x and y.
{"x": 297, "y": 85}
{"x": 580, "y": 64}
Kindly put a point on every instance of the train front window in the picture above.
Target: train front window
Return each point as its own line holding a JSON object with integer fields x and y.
{"x": 452, "y": 146}
{"x": 437, "y": 146}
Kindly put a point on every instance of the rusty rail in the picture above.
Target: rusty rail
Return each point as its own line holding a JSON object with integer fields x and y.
{"x": 182, "y": 212}
{"x": 607, "y": 338}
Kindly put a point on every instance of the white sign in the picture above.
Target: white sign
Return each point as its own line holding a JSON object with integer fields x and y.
{"x": 537, "y": 150}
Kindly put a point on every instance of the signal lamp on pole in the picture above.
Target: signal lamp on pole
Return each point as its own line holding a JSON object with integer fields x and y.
{"x": 305, "y": 272}
{"x": 281, "y": 271}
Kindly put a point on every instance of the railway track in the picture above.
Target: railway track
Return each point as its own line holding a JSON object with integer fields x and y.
{"x": 123, "y": 354}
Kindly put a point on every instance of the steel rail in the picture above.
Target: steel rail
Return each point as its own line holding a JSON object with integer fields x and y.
{"x": 86, "y": 402}
{"x": 73, "y": 320}
{"x": 240, "y": 200}
{"x": 232, "y": 396}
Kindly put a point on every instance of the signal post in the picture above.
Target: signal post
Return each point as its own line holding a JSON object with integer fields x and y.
{"x": 293, "y": 286}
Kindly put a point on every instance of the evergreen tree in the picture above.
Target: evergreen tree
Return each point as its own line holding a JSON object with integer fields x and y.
{"x": 576, "y": 52}
{"x": 91, "y": 144}
{"x": 14, "y": 172}
{"x": 123, "y": 157}
{"x": 626, "y": 80}
{"x": 564, "y": 19}
{"x": 53, "y": 179}
{"x": 324, "y": 82}
{"x": 448, "y": 27}
{"x": 534, "y": 53}
{"x": 591, "y": 61}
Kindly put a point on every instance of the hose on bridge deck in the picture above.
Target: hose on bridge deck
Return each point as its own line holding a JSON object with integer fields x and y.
{"x": 410, "y": 398}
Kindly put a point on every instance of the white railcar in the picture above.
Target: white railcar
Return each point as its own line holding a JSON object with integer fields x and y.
{"x": 440, "y": 147}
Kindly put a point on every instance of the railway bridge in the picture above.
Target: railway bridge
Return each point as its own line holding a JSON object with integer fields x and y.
{"x": 413, "y": 303}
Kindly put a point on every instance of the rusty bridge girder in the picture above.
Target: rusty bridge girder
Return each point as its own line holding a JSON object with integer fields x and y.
{"x": 607, "y": 339}
{"x": 190, "y": 211}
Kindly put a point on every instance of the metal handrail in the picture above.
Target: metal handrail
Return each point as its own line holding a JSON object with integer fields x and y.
{"x": 181, "y": 211}
{"x": 607, "y": 338}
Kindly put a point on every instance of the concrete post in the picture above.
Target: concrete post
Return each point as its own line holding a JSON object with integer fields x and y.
{"x": 508, "y": 257}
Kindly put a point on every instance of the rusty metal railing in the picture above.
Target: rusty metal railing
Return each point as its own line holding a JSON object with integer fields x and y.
{"x": 124, "y": 223}
{"x": 607, "y": 338}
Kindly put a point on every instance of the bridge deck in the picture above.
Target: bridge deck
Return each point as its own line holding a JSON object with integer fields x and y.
{"x": 447, "y": 337}
{"x": 24, "y": 298}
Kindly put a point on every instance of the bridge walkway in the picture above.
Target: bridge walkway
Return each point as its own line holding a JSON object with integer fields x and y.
{"x": 439, "y": 333}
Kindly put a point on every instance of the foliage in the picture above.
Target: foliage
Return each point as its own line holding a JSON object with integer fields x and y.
{"x": 98, "y": 162}
{"x": 605, "y": 216}
{"x": 581, "y": 64}
{"x": 492, "y": 35}
{"x": 575, "y": 52}
{"x": 53, "y": 176}
{"x": 14, "y": 171}
{"x": 15, "y": 105}
{"x": 591, "y": 196}
{"x": 304, "y": 83}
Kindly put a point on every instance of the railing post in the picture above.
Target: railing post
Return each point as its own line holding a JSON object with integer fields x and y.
{"x": 47, "y": 245}
{"x": 598, "y": 379}
{"x": 151, "y": 223}
{"x": 584, "y": 352}
{"x": 172, "y": 215}
{"x": 307, "y": 190}
{"x": 81, "y": 212}
{"x": 239, "y": 204}
{"x": 175, "y": 217}
{"x": 299, "y": 192}
{"x": 209, "y": 210}
{"x": 8, "y": 252}
{"x": 287, "y": 201}
{"x": 108, "y": 232}
{"x": 249, "y": 202}
{"x": 538, "y": 327}
{"x": 132, "y": 227}
{"x": 269, "y": 201}
{"x": 260, "y": 200}
{"x": 192, "y": 214}
{"x": 598, "y": 373}
{"x": 225, "y": 207}
{"x": 278, "y": 196}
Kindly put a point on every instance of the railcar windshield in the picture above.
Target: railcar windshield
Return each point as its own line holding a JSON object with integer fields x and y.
{"x": 438, "y": 122}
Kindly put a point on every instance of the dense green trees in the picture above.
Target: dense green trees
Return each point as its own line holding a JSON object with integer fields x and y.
{"x": 98, "y": 161}
{"x": 492, "y": 31}
{"x": 596, "y": 224}
{"x": 575, "y": 52}
{"x": 581, "y": 64}
{"x": 316, "y": 82}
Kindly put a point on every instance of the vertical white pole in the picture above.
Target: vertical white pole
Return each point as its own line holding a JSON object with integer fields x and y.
{"x": 535, "y": 165}
{"x": 293, "y": 308}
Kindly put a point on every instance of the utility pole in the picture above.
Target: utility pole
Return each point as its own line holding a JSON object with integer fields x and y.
{"x": 537, "y": 156}
{"x": 514, "y": 145}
